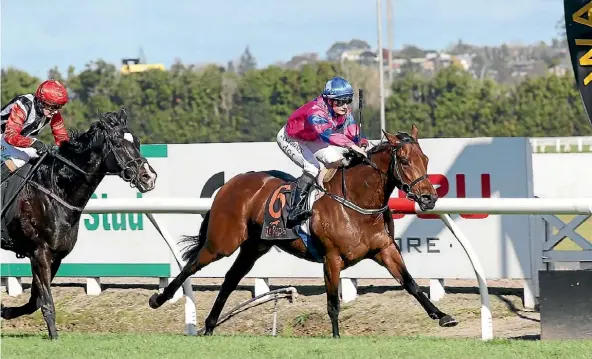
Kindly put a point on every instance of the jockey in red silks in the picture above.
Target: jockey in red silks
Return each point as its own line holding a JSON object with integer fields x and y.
{"x": 24, "y": 117}
{"x": 319, "y": 133}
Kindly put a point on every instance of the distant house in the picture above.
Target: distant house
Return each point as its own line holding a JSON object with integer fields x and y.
{"x": 300, "y": 60}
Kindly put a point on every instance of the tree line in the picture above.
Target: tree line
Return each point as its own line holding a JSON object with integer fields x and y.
{"x": 189, "y": 104}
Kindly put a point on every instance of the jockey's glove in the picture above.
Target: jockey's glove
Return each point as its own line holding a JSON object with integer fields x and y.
{"x": 39, "y": 146}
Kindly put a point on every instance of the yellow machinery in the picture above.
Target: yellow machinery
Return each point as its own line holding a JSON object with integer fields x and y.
{"x": 133, "y": 65}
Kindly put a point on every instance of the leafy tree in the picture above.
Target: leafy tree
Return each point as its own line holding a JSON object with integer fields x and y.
{"x": 189, "y": 104}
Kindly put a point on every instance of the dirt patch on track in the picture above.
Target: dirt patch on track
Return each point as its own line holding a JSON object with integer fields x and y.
{"x": 382, "y": 308}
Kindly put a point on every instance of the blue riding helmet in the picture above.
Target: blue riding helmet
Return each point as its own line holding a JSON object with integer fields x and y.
{"x": 338, "y": 89}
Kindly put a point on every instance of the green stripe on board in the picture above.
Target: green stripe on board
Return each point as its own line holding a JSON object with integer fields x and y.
{"x": 93, "y": 270}
{"x": 154, "y": 151}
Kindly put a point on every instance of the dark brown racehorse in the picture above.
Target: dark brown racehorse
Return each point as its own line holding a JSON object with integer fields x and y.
{"x": 347, "y": 230}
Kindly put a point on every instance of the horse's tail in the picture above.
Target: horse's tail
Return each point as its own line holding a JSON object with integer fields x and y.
{"x": 195, "y": 243}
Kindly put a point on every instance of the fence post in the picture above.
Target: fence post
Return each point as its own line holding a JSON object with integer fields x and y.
{"x": 437, "y": 290}
{"x": 348, "y": 288}
{"x": 93, "y": 286}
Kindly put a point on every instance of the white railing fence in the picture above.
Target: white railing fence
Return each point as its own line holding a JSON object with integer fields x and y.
{"x": 561, "y": 144}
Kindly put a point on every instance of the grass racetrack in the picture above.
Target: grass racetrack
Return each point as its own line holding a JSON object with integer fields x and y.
{"x": 77, "y": 345}
{"x": 383, "y": 322}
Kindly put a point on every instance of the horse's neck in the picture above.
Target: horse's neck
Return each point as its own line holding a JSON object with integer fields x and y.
{"x": 365, "y": 186}
{"x": 74, "y": 186}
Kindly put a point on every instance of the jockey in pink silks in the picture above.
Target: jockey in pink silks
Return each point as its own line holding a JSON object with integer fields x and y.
{"x": 319, "y": 133}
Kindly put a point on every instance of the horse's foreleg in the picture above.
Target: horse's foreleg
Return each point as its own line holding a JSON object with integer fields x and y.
{"x": 248, "y": 255}
{"x": 41, "y": 266}
{"x": 332, "y": 270}
{"x": 204, "y": 258}
{"x": 391, "y": 259}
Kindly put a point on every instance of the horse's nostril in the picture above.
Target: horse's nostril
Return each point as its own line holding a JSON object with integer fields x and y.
{"x": 426, "y": 198}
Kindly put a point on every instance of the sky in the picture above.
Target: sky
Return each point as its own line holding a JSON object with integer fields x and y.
{"x": 37, "y": 35}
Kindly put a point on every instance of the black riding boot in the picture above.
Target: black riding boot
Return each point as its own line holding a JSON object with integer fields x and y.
{"x": 298, "y": 212}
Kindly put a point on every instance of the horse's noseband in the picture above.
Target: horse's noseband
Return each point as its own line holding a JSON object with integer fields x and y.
{"x": 394, "y": 169}
{"x": 405, "y": 187}
{"x": 129, "y": 170}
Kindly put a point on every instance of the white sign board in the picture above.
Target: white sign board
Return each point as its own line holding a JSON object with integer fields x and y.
{"x": 464, "y": 167}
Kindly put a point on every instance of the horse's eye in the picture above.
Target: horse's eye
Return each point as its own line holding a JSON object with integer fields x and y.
{"x": 404, "y": 161}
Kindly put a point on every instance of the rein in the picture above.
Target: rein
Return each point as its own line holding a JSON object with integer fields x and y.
{"x": 393, "y": 168}
{"x": 125, "y": 166}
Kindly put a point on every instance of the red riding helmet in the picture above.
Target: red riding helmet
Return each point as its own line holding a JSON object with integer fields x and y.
{"x": 52, "y": 92}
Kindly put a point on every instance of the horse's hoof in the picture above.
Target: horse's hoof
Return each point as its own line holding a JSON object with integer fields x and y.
{"x": 153, "y": 301}
{"x": 447, "y": 321}
{"x": 208, "y": 333}
{"x": 4, "y": 312}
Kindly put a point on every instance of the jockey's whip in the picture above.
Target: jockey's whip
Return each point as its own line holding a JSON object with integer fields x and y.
{"x": 360, "y": 105}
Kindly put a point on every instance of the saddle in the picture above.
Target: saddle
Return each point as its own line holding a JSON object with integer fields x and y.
{"x": 277, "y": 208}
{"x": 9, "y": 188}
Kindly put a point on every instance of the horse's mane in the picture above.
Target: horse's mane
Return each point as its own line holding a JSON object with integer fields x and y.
{"x": 81, "y": 142}
{"x": 356, "y": 159}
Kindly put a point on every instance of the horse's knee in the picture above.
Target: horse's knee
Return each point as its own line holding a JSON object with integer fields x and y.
{"x": 333, "y": 307}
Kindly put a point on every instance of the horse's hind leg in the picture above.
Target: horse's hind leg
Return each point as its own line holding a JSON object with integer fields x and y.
{"x": 204, "y": 258}
{"x": 390, "y": 258}
{"x": 28, "y": 308}
{"x": 34, "y": 303}
{"x": 250, "y": 251}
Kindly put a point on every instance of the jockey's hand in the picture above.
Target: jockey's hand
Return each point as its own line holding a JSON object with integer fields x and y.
{"x": 40, "y": 147}
{"x": 363, "y": 143}
{"x": 359, "y": 150}
{"x": 53, "y": 148}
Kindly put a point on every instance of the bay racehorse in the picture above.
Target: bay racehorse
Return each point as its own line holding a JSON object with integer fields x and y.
{"x": 42, "y": 221}
{"x": 350, "y": 222}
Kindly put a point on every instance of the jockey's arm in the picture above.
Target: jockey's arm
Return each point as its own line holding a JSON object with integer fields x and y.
{"x": 14, "y": 126}
{"x": 352, "y": 130}
{"x": 58, "y": 129}
{"x": 326, "y": 133}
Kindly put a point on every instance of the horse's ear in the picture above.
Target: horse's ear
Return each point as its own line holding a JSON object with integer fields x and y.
{"x": 414, "y": 131}
{"x": 123, "y": 115}
{"x": 393, "y": 140}
{"x": 105, "y": 121}
{"x": 102, "y": 118}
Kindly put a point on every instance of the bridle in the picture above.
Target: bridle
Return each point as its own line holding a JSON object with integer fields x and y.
{"x": 394, "y": 168}
{"x": 132, "y": 166}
